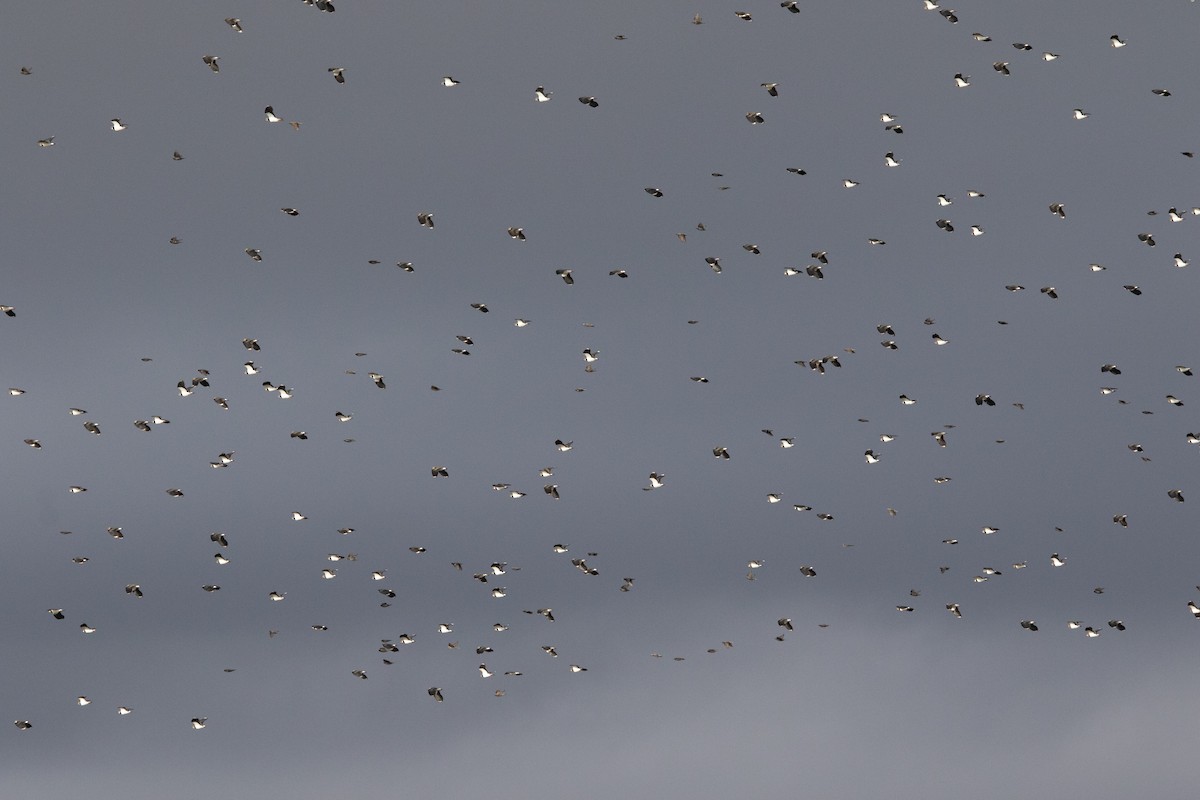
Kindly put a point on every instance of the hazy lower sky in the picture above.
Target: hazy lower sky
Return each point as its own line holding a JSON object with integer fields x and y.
{"x": 128, "y": 271}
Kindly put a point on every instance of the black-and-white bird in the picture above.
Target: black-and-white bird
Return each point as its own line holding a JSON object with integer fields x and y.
{"x": 211, "y": 61}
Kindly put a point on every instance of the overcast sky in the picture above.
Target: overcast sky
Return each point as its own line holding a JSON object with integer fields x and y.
{"x": 859, "y": 698}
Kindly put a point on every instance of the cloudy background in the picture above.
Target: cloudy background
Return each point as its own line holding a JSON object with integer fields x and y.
{"x": 916, "y": 704}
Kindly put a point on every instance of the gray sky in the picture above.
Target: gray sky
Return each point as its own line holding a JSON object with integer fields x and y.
{"x": 911, "y": 705}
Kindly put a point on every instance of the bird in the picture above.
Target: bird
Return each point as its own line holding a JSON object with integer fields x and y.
{"x": 449, "y": 81}
{"x": 657, "y": 481}
{"x": 234, "y": 23}
{"x": 1057, "y": 208}
{"x": 378, "y": 379}
{"x": 47, "y": 142}
{"x": 425, "y": 219}
{"x": 589, "y": 100}
{"x": 565, "y": 274}
{"x": 541, "y": 95}
{"x": 211, "y": 61}
{"x": 1175, "y": 494}
{"x": 254, "y": 253}
{"x": 1029, "y": 625}
{"x": 1116, "y": 41}
{"x": 1161, "y": 92}
{"x": 199, "y": 723}
{"x": 790, "y": 5}
{"x": 269, "y": 111}
{"x": 1079, "y": 113}
{"x": 962, "y": 81}
{"x": 1001, "y": 67}
{"x": 436, "y": 693}
{"x": 1056, "y": 560}
{"x": 754, "y": 118}
{"x": 117, "y": 125}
